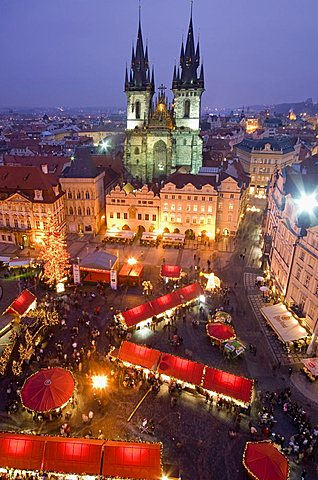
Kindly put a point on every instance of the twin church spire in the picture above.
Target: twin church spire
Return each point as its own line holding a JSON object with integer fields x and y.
{"x": 185, "y": 76}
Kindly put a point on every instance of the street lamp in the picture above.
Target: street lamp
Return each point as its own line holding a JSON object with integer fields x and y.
{"x": 131, "y": 261}
{"x": 307, "y": 203}
{"x": 99, "y": 382}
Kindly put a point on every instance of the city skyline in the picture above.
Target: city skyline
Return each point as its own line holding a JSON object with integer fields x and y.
{"x": 63, "y": 53}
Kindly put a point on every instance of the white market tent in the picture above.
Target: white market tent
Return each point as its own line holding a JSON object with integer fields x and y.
{"x": 311, "y": 364}
{"x": 283, "y": 323}
{"x": 173, "y": 238}
{"x": 150, "y": 236}
{"x": 123, "y": 234}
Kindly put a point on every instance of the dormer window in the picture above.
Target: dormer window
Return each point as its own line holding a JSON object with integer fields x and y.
{"x": 38, "y": 195}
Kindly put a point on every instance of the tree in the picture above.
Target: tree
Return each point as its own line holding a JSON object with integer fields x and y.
{"x": 54, "y": 254}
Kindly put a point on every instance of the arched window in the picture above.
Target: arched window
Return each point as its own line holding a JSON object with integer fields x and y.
{"x": 184, "y": 142}
{"x": 79, "y": 211}
{"x": 137, "y": 151}
{"x": 78, "y": 194}
{"x": 186, "y": 109}
{"x": 71, "y": 211}
{"x": 88, "y": 211}
{"x": 87, "y": 196}
{"x": 69, "y": 194}
{"x": 137, "y": 109}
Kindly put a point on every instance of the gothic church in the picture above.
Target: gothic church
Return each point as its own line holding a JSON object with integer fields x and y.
{"x": 162, "y": 137}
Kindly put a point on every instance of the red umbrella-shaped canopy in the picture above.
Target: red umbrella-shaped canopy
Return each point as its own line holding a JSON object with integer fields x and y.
{"x": 220, "y": 331}
{"x": 264, "y": 462}
{"x": 47, "y": 389}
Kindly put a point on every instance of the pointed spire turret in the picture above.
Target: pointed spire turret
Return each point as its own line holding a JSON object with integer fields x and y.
{"x": 201, "y": 79}
{"x": 189, "y": 62}
{"x": 126, "y": 78}
{"x": 139, "y": 78}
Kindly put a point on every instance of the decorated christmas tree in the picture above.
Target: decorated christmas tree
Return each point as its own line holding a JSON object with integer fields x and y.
{"x": 54, "y": 254}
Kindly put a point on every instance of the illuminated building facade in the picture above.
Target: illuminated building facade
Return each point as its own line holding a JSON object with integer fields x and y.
{"x": 292, "y": 229}
{"x": 261, "y": 158}
{"x": 26, "y": 196}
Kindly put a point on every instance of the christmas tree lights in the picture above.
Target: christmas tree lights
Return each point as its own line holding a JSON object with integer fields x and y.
{"x": 54, "y": 254}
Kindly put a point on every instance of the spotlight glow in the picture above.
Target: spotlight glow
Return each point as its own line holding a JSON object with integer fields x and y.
{"x": 307, "y": 203}
{"x": 99, "y": 381}
{"x": 131, "y": 261}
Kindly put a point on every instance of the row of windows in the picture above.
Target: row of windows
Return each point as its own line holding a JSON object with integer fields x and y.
{"x": 140, "y": 202}
{"x": 25, "y": 224}
{"x": 140, "y": 216}
{"x": 305, "y": 278}
{"x": 79, "y": 211}
{"x": 79, "y": 195}
{"x": 189, "y": 208}
{"x": 195, "y": 198}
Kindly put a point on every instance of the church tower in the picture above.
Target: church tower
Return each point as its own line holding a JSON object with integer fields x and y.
{"x": 187, "y": 88}
{"x": 139, "y": 85}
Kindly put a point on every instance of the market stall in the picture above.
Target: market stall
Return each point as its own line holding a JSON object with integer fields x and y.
{"x": 222, "y": 316}
{"x": 24, "y": 302}
{"x": 263, "y": 461}
{"x": 47, "y": 390}
{"x": 234, "y": 348}
{"x": 135, "y": 354}
{"x": 149, "y": 239}
{"x": 97, "y": 266}
{"x": 73, "y": 455}
{"x": 79, "y": 456}
{"x": 131, "y": 274}
{"x": 173, "y": 240}
{"x": 132, "y": 460}
{"x": 228, "y": 385}
{"x": 220, "y": 332}
{"x": 213, "y": 281}
{"x": 284, "y": 324}
{"x": 170, "y": 272}
{"x": 178, "y": 368}
{"x": 144, "y": 313}
{"x": 119, "y": 236}
{"x": 310, "y": 368}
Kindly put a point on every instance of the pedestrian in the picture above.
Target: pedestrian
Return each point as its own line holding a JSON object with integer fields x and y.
{"x": 303, "y": 474}
{"x": 290, "y": 371}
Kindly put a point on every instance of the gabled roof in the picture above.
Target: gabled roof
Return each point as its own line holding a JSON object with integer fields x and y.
{"x": 180, "y": 180}
{"x": 82, "y": 166}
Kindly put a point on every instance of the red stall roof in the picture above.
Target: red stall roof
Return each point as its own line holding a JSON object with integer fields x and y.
{"x": 265, "y": 462}
{"x": 23, "y": 452}
{"x": 220, "y": 331}
{"x": 48, "y": 389}
{"x": 228, "y": 384}
{"x": 124, "y": 271}
{"x": 138, "y": 314}
{"x": 170, "y": 271}
{"x": 190, "y": 292}
{"x": 166, "y": 302}
{"x": 181, "y": 369}
{"x": 21, "y": 304}
{"x": 139, "y": 355}
{"x": 73, "y": 455}
{"x": 132, "y": 460}
{"x": 136, "y": 270}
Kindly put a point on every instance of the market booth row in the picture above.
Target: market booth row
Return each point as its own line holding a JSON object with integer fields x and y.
{"x": 81, "y": 456}
{"x": 119, "y": 236}
{"x": 192, "y": 374}
{"x": 144, "y": 313}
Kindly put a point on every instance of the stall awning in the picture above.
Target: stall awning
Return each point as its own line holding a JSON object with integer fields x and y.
{"x": 166, "y": 302}
{"x": 283, "y": 323}
{"x": 190, "y": 292}
{"x": 311, "y": 364}
{"x": 139, "y": 355}
{"x": 23, "y": 452}
{"x": 132, "y": 460}
{"x": 170, "y": 271}
{"x": 239, "y": 388}
{"x": 138, "y": 314}
{"x": 98, "y": 261}
{"x": 181, "y": 369}
{"x": 22, "y": 303}
{"x": 264, "y": 461}
{"x": 220, "y": 331}
{"x": 72, "y": 455}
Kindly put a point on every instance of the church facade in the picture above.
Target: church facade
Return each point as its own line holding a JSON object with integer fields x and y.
{"x": 162, "y": 137}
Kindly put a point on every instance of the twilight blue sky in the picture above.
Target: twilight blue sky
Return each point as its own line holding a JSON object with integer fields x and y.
{"x": 73, "y": 52}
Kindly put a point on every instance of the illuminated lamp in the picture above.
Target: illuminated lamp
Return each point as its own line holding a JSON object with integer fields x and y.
{"x": 99, "y": 381}
{"x": 307, "y": 203}
{"x": 131, "y": 261}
